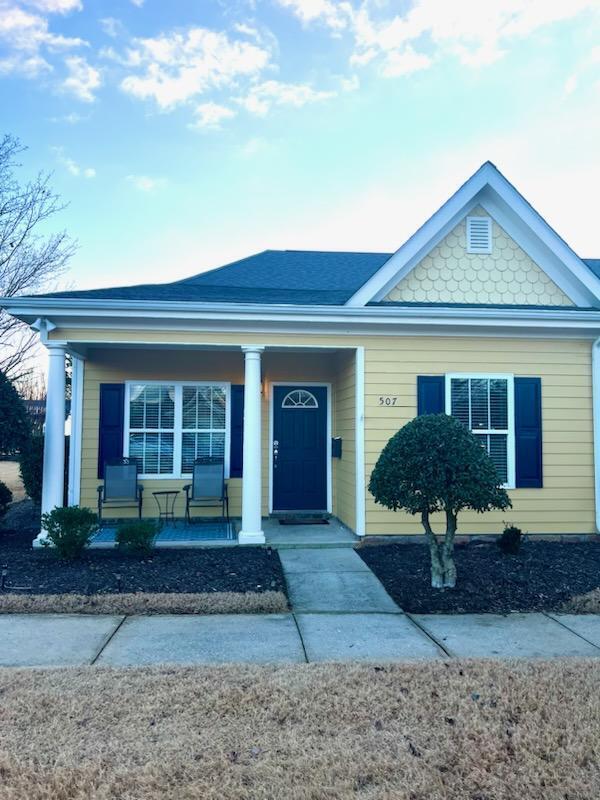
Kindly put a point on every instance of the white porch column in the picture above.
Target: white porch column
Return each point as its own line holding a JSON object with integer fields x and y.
{"x": 54, "y": 437}
{"x": 252, "y": 532}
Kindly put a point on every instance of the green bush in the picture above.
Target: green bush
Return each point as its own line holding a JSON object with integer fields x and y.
{"x": 6, "y": 497}
{"x": 510, "y": 540}
{"x": 70, "y": 529}
{"x": 14, "y": 421}
{"x": 435, "y": 464}
{"x": 31, "y": 461}
{"x": 137, "y": 537}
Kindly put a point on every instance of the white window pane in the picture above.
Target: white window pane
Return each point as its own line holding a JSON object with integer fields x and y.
{"x": 188, "y": 452}
{"x": 479, "y": 404}
{"x": 136, "y": 447}
{"x": 498, "y": 453}
{"x": 459, "y": 400}
{"x": 218, "y": 407}
{"x": 152, "y": 401}
{"x": 218, "y": 444}
{"x": 499, "y": 404}
{"x": 167, "y": 406}
{"x": 136, "y": 406}
{"x": 204, "y": 407}
{"x": 190, "y": 397}
{"x": 165, "y": 453}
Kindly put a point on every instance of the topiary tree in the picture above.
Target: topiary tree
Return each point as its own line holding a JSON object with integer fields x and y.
{"x": 434, "y": 464}
{"x": 14, "y": 422}
{"x": 31, "y": 463}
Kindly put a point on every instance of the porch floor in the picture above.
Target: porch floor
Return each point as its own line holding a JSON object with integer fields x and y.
{"x": 180, "y": 534}
{"x": 282, "y": 537}
{"x": 219, "y": 534}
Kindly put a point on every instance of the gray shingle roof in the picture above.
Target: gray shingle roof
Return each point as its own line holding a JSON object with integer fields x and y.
{"x": 289, "y": 277}
{"x": 296, "y": 277}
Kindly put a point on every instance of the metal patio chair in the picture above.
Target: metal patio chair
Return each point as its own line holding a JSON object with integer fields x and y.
{"x": 208, "y": 488}
{"x": 120, "y": 488}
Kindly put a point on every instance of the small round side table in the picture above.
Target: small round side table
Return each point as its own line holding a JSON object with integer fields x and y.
{"x": 165, "y": 501}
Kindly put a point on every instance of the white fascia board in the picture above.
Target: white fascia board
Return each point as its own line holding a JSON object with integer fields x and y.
{"x": 500, "y": 198}
{"x": 147, "y": 315}
{"x": 420, "y": 243}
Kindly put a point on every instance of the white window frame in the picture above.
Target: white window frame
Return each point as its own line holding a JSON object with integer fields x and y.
{"x": 482, "y": 250}
{"x": 510, "y": 394}
{"x": 177, "y": 424}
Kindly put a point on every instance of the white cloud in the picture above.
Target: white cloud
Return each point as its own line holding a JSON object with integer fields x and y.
{"x": 25, "y": 35}
{"x": 145, "y": 183}
{"x": 72, "y": 118}
{"x": 180, "y": 66}
{"x": 210, "y": 115}
{"x": 138, "y": 3}
{"x": 351, "y": 84}
{"x": 83, "y": 79}
{"x": 263, "y": 96}
{"x": 27, "y": 40}
{"x": 56, "y": 6}
{"x": 477, "y": 33}
{"x": 333, "y": 14}
{"x": 253, "y": 147}
{"x": 72, "y": 167}
{"x": 112, "y": 27}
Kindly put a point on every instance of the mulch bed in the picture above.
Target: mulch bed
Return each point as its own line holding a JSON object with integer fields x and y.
{"x": 542, "y": 577}
{"x": 226, "y": 569}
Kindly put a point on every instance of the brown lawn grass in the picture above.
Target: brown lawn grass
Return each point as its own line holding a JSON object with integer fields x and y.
{"x": 146, "y": 603}
{"x": 434, "y": 731}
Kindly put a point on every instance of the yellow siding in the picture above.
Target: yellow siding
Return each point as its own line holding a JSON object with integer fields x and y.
{"x": 392, "y": 363}
{"x": 566, "y": 503}
{"x": 344, "y": 425}
{"x": 448, "y": 274}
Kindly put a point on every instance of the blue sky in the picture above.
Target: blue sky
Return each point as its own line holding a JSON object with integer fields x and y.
{"x": 190, "y": 133}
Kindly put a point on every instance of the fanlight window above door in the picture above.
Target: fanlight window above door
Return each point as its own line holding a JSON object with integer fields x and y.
{"x": 299, "y": 398}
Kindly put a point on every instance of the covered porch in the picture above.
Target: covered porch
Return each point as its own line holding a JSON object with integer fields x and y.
{"x": 287, "y": 420}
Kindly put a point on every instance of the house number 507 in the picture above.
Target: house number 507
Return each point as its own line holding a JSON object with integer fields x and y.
{"x": 388, "y": 401}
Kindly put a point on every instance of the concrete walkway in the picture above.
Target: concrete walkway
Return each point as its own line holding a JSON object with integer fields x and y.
{"x": 43, "y": 640}
{"x": 340, "y": 612}
{"x": 333, "y": 580}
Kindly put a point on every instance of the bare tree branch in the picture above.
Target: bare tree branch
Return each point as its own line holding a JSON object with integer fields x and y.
{"x": 30, "y": 260}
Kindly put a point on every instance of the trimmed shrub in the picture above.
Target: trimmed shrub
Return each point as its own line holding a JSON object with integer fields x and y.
{"x": 6, "y": 497}
{"x": 14, "y": 422}
{"x": 435, "y": 464}
{"x": 137, "y": 537}
{"x": 70, "y": 529}
{"x": 31, "y": 462}
{"x": 510, "y": 540}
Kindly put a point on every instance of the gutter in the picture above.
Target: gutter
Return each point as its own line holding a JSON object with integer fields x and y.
{"x": 32, "y": 307}
{"x": 596, "y": 421}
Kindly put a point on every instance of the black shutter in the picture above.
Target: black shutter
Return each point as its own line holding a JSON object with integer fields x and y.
{"x": 528, "y": 432}
{"x": 431, "y": 394}
{"x": 236, "y": 450}
{"x": 110, "y": 431}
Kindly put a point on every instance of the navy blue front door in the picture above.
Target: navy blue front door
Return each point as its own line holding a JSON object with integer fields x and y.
{"x": 299, "y": 448}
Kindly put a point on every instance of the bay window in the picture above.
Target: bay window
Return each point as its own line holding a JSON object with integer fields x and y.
{"x": 485, "y": 405}
{"x": 168, "y": 425}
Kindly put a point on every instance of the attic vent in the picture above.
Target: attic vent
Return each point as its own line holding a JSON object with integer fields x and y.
{"x": 479, "y": 235}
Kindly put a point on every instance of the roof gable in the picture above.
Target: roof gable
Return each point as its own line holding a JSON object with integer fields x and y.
{"x": 491, "y": 191}
{"x": 452, "y": 273}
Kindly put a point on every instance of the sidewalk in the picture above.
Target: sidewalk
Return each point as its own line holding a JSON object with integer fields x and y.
{"x": 44, "y": 640}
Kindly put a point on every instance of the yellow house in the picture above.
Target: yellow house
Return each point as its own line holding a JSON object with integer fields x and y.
{"x": 295, "y": 368}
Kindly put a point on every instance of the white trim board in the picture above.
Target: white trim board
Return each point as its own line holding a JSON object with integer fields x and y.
{"x": 493, "y": 191}
{"x": 74, "y": 481}
{"x": 292, "y": 384}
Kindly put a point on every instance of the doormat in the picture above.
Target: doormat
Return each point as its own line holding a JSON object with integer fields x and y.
{"x": 303, "y": 521}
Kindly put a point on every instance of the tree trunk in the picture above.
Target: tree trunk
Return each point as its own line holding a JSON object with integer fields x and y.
{"x": 443, "y": 568}
{"x": 437, "y": 566}
{"x": 448, "y": 551}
